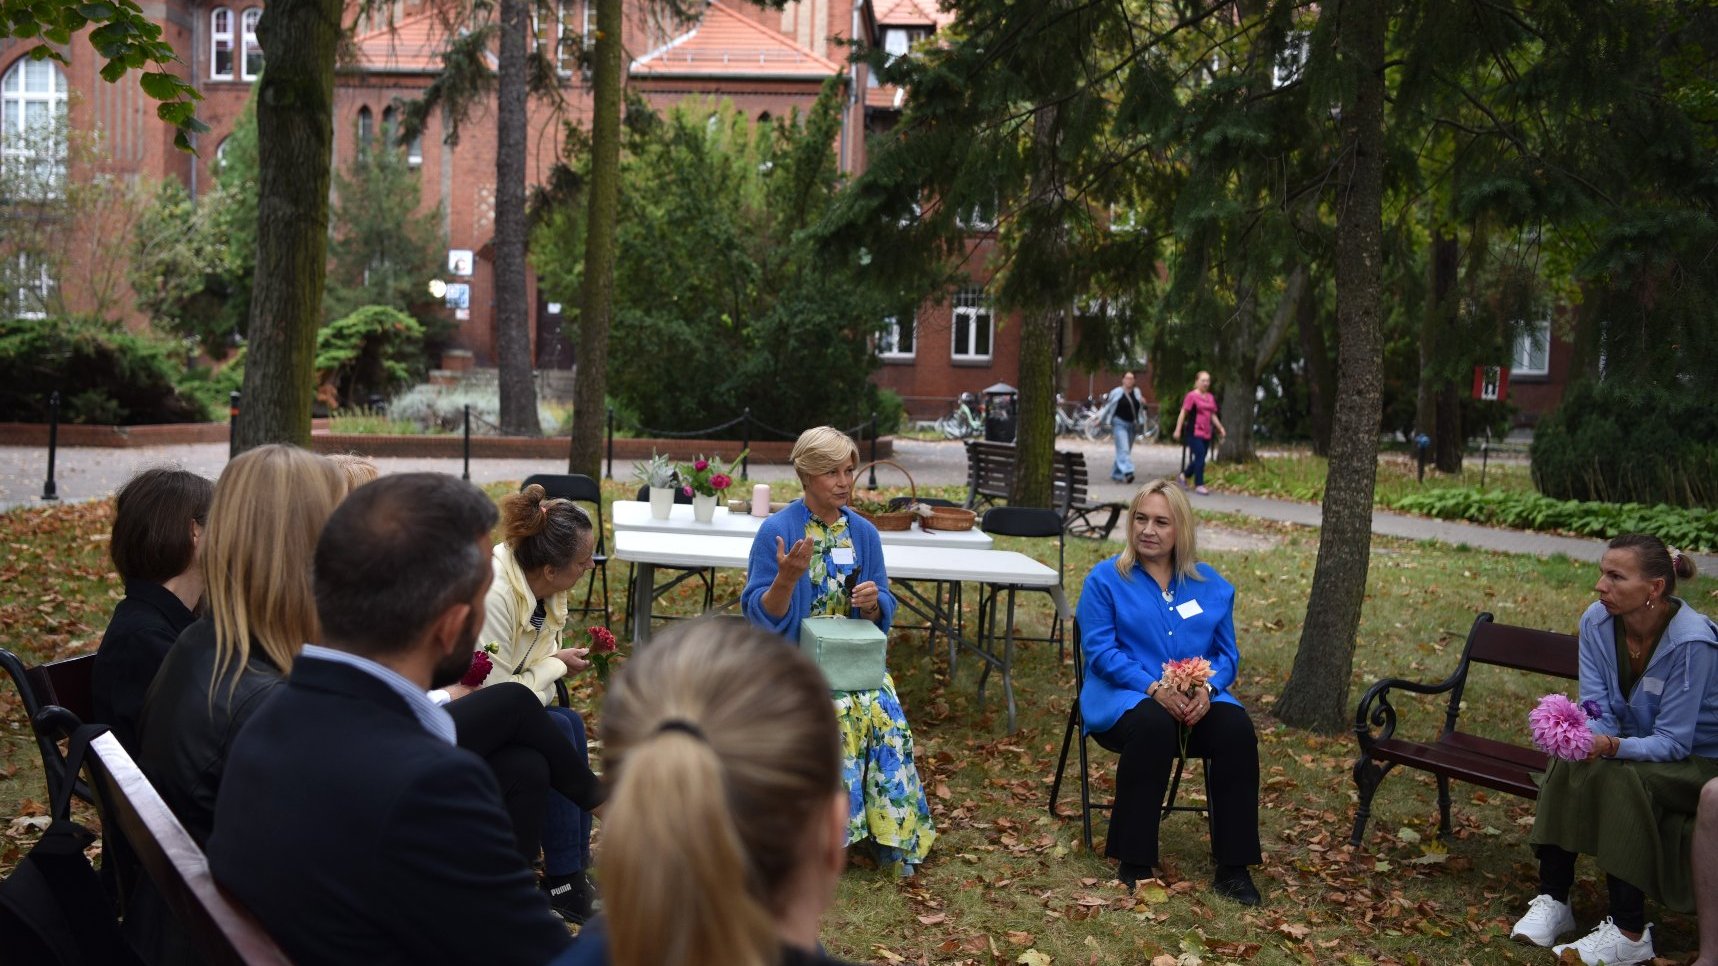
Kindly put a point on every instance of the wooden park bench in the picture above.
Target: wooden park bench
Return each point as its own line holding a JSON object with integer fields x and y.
{"x": 1454, "y": 754}
{"x": 990, "y": 478}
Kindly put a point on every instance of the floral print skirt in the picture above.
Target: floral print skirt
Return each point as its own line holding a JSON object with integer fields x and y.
{"x": 886, "y": 800}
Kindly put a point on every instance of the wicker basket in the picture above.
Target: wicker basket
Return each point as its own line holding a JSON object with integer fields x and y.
{"x": 894, "y": 519}
{"x": 949, "y": 518}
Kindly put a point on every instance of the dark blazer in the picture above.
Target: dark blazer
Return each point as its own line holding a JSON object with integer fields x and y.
{"x": 143, "y": 629}
{"x": 357, "y": 836}
{"x": 592, "y": 950}
{"x": 188, "y": 726}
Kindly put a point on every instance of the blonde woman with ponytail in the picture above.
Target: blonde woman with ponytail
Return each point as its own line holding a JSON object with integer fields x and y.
{"x": 727, "y": 819}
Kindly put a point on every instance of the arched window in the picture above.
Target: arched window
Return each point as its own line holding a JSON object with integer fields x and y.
{"x": 253, "y": 48}
{"x": 390, "y": 127}
{"x": 33, "y": 130}
{"x": 221, "y": 44}
{"x": 366, "y": 128}
{"x": 221, "y": 153}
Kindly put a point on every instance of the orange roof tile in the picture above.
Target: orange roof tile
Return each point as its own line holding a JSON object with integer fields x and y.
{"x": 908, "y": 13}
{"x": 724, "y": 44}
{"x": 885, "y": 97}
{"x": 410, "y": 45}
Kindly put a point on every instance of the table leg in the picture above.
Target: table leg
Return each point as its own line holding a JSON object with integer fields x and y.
{"x": 643, "y": 596}
{"x": 1008, "y": 662}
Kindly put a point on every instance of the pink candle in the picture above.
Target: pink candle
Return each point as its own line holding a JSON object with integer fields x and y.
{"x": 761, "y": 500}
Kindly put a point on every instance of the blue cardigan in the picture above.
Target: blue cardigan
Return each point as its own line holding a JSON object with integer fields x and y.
{"x": 789, "y": 524}
{"x": 1673, "y": 711}
{"x": 1128, "y": 631}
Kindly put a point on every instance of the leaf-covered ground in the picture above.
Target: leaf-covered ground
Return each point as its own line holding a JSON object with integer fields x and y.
{"x": 1007, "y": 883}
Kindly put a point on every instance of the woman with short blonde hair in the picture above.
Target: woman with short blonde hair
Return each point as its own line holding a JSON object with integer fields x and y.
{"x": 816, "y": 557}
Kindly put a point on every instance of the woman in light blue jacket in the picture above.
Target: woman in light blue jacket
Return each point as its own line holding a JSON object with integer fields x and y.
{"x": 1649, "y": 678}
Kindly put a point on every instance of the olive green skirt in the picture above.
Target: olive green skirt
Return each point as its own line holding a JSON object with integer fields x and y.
{"x": 1635, "y": 817}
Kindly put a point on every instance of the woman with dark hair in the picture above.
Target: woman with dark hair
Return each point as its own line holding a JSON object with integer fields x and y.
{"x": 1150, "y": 605}
{"x": 546, "y": 549}
{"x": 159, "y": 517}
{"x": 1649, "y": 672}
{"x": 727, "y": 838}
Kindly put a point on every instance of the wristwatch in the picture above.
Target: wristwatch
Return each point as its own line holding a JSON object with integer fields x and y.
{"x": 1210, "y": 689}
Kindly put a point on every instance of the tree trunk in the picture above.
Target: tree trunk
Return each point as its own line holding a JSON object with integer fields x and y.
{"x": 295, "y": 134}
{"x": 1445, "y": 426}
{"x": 1320, "y": 379}
{"x": 1035, "y": 417}
{"x": 596, "y": 302}
{"x": 512, "y": 321}
{"x": 1316, "y": 695}
{"x": 1253, "y": 354}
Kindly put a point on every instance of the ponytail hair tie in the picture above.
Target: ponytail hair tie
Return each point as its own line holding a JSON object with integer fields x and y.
{"x": 682, "y": 725}
{"x": 1675, "y": 554}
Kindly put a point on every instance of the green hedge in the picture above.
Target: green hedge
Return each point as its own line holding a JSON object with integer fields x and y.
{"x": 1689, "y": 529}
{"x": 103, "y": 373}
{"x": 1629, "y": 442}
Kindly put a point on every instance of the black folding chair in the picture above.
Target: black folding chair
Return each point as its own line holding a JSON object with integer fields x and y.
{"x": 1022, "y": 521}
{"x": 705, "y": 575}
{"x": 66, "y": 684}
{"x": 1087, "y": 806}
{"x": 580, "y": 488}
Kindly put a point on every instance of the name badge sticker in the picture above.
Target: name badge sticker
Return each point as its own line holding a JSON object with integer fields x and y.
{"x": 841, "y": 556}
{"x": 1652, "y": 685}
{"x": 1189, "y": 609}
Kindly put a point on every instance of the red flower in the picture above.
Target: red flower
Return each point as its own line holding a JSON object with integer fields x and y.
{"x": 701, "y": 465}
{"x": 721, "y": 481}
{"x": 602, "y": 641}
{"x": 479, "y": 670}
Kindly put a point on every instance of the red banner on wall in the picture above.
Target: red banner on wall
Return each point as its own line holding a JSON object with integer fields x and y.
{"x": 1490, "y": 382}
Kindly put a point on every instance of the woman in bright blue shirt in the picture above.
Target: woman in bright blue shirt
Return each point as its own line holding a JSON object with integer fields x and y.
{"x": 1151, "y": 604}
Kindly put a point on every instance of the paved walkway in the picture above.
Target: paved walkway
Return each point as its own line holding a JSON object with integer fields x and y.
{"x": 86, "y": 474}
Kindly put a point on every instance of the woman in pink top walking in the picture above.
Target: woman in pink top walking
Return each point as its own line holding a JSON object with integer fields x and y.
{"x": 1203, "y": 406}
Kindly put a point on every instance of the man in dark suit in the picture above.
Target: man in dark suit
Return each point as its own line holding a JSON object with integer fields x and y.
{"x": 347, "y": 820}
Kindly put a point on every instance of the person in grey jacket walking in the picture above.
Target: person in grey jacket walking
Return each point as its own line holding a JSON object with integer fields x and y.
{"x": 1123, "y": 410}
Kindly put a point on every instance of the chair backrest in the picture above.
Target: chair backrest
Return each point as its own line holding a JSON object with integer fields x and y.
{"x": 222, "y": 930}
{"x": 576, "y": 487}
{"x": 1027, "y": 521}
{"x": 62, "y": 683}
{"x": 1523, "y": 648}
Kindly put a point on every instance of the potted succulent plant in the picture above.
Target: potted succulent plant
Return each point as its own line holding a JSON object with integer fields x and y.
{"x": 658, "y": 474}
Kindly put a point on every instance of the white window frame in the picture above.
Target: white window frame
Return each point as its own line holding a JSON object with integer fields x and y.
{"x": 977, "y": 219}
{"x": 248, "y": 35}
{"x": 1291, "y": 60}
{"x": 22, "y": 144}
{"x": 971, "y": 315}
{"x": 221, "y": 37}
{"x": 30, "y": 295}
{"x": 1535, "y": 335}
{"x": 889, "y": 339}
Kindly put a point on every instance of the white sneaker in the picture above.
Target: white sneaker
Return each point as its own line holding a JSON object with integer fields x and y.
{"x": 1546, "y": 919}
{"x": 1607, "y": 946}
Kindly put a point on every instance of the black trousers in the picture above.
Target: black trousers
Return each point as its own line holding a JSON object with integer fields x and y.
{"x": 1148, "y": 740}
{"x": 529, "y": 754}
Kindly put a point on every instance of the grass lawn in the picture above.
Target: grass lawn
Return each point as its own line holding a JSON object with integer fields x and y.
{"x": 1005, "y": 879}
{"x": 1300, "y": 476}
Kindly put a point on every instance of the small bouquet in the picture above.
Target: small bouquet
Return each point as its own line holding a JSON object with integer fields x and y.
{"x": 481, "y": 665}
{"x": 603, "y": 651}
{"x": 1560, "y": 727}
{"x": 705, "y": 478}
{"x": 1187, "y": 675}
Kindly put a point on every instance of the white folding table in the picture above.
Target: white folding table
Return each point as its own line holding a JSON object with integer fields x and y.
{"x": 635, "y": 515}
{"x": 648, "y": 549}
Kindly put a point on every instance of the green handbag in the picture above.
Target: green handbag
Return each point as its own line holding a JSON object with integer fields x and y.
{"x": 851, "y": 652}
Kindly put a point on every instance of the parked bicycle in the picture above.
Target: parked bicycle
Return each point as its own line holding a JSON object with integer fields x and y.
{"x": 1094, "y": 428}
{"x": 965, "y": 421}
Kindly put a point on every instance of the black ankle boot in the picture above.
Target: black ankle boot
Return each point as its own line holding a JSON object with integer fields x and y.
{"x": 1129, "y": 874}
{"x": 1234, "y": 883}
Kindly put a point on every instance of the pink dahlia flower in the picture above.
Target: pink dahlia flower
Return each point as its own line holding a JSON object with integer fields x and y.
{"x": 1560, "y": 728}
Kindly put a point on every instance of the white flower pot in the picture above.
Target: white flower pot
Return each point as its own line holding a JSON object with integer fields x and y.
{"x": 661, "y": 502}
{"x": 704, "y": 507}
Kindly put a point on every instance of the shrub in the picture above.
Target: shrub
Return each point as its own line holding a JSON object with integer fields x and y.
{"x": 1619, "y": 441}
{"x": 376, "y": 350}
{"x": 103, "y": 373}
{"x": 442, "y": 409}
{"x": 1689, "y": 529}
{"x": 212, "y": 388}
